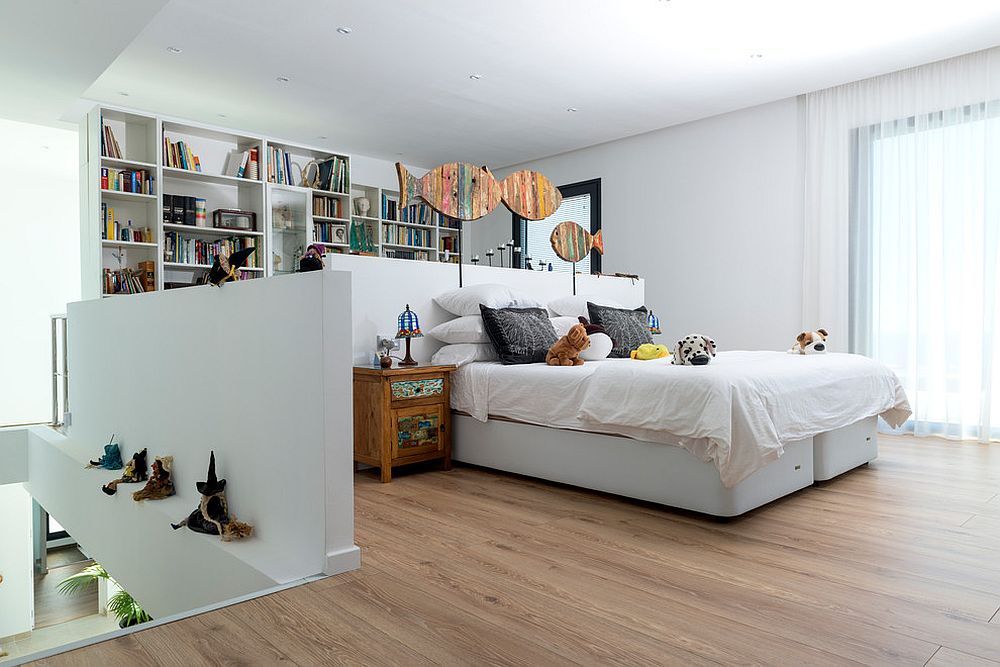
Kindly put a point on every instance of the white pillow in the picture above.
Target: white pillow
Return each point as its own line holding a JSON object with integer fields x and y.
{"x": 600, "y": 347}
{"x": 466, "y": 300}
{"x": 562, "y": 324}
{"x": 576, "y": 306}
{"x": 464, "y": 353}
{"x": 465, "y": 329}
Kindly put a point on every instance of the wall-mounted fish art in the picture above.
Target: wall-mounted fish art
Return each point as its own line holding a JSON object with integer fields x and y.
{"x": 572, "y": 242}
{"x": 463, "y": 191}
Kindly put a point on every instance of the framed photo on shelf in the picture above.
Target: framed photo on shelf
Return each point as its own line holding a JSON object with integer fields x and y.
{"x": 338, "y": 232}
{"x": 229, "y": 218}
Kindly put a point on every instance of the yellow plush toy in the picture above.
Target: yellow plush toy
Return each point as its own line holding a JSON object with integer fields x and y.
{"x": 649, "y": 351}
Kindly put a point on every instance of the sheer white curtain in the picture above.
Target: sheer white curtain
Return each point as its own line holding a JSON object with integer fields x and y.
{"x": 902, "y": 215}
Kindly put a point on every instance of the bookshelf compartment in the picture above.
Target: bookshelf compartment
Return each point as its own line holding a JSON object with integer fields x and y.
{"x": 134, "y": 134}
{"x": 288, "y": 223}
{"x": 218, "y": 152}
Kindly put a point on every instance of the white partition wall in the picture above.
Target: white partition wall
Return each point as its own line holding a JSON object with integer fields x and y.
{"x": 258, "y": 371}
{"x": 383, "y": 287}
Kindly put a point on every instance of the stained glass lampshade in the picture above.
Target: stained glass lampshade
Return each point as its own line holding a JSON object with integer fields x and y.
{"x": 408, "y": 327}
{"x": 654, "y": 323}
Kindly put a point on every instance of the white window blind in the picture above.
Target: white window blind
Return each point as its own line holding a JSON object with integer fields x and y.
{"x": 537, "y": 232}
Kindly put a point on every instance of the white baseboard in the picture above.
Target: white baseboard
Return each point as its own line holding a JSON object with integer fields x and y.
{"x": 343, "y": 560}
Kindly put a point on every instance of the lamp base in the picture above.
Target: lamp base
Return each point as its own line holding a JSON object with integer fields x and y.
{"x": 408, "y": 360}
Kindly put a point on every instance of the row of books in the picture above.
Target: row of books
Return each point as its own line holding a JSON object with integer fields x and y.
{"x": 327, "y": 207}
{"x": 131, "y": 281}
{"x": 179, "y": 155}
{"x": 449, "y": 243}
{"x": 244, "y": 164}
{"x": 109, "y": 145}
{"x": 185, "y": 250}
{"x": 279, "y": 166}
{"x": 330, "y": 232}
{"x": 113, "y": 230}
{"x": 334, "y": 175}
{"x": 402, "y": 235}
{"x": 421, "y": 214}
{"x": 184, "y": 210}
{"x": 408, "y": 254}
{"x": 390, "y": 207}
{"x": 127, "y": 180}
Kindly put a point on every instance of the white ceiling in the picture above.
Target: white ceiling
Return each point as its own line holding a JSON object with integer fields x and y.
{"x": 399, "y": 84}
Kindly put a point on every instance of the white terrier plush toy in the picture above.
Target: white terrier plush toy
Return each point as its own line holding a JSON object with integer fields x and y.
{"x": 810, "y": 342}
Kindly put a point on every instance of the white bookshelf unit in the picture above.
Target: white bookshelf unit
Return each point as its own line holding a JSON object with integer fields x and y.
{"x": 419, "y": 233}
{"x": 176, "y": 248}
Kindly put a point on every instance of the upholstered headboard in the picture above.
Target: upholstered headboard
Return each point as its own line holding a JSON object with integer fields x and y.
{"x": 382, "y": 287}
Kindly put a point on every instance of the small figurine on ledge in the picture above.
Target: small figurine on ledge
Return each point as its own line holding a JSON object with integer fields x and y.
{"x": 313, "y": 259}
{"x": 225, "y": 269}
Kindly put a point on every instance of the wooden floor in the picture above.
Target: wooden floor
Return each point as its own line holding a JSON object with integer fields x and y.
{"x": 51, "y": 606}
{"x": 897, "y": 563}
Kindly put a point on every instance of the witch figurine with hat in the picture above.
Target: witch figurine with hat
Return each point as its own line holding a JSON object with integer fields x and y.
{"x": 111, "y": 459}
{"x": 136, "y": 470}
{"x": 212, "y": 514}
{"x": 228, "y": 268}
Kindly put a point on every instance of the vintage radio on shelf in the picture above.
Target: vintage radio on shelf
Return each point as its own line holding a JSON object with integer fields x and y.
{"x": 228, "y": 218}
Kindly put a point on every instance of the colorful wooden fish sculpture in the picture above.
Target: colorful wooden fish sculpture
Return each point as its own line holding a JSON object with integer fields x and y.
{"x": 457, "y": 189}
{"x": 572, "y": 242}
{"x": 529, "y": 194}
{"x": 466, "y": 192}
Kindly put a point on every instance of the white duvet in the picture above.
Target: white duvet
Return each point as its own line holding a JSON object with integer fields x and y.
{"x": 737, "y": 412}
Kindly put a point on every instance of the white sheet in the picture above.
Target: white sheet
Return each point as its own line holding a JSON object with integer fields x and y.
{"x": 736, "y": 412}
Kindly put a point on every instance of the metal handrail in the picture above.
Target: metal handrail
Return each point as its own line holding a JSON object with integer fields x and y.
{"x": 60, "y": 370}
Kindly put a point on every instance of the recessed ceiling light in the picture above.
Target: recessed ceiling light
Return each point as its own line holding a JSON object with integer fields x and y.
{"x": 222, "y": 115}
{"x": 283, "y": 79}
{"x": 123, "y": 93}
{"x": 322, "y": 136}
{"x": 475, "y": 77}
{"x": 572, "y": 109}
{"x": 756, "y": 56}
{"x": 174, "y": 50}
{"x": 344, "y": 30}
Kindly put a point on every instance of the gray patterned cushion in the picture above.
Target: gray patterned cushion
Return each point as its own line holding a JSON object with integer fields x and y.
{"x": 519, "y": 335}
{"x": 627, "y": 328}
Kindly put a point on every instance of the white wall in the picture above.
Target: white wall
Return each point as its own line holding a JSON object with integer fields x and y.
{"x": 17, "y": 588}
{"x": 709, "y": 213}
{"x": 39, "y": 260}
{"x": 259, "y": 371}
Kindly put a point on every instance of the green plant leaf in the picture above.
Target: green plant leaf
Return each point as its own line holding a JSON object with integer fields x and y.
{"x": 82, "y": 580}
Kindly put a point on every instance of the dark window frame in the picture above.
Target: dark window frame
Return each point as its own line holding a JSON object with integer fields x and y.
{"x": 591, "y": 187}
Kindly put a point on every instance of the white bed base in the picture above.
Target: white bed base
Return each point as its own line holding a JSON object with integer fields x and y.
{"x": 655, "y": 472}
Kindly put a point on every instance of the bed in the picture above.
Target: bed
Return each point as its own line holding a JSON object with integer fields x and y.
{"x": 721, "y": 439}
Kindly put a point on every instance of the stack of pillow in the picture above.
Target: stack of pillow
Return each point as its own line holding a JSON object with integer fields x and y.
{"x": 497, "y": 323}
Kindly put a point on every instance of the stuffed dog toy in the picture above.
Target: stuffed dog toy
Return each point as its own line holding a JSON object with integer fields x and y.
{"x": 693, "y": 350}
{"x": 566, "y": 351}
{"x": 810, "y": 342}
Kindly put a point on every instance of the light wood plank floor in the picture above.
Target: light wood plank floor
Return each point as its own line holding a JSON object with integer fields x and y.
{"x": 893, "y": 564}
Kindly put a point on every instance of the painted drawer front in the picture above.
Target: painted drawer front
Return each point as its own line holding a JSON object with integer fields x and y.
{"x": 402, "y": 389}
{"x": 418, "y": 431}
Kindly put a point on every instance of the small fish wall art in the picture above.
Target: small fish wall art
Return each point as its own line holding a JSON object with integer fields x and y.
{"x": 572, "y": 243}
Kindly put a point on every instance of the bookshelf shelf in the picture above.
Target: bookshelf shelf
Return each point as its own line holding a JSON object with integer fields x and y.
{"x": 116, "y": 162}
{"x": 219, "y": 179}
{"x": 201, "y": 267}
{"x": 120, "y": 194}
{"x": 208, "y": 231}
{"x": 111, "y": 243}
{"x": 323, "y": 218}
{"x": 408, "y": 247}
{"x": 416, "y": 225}
{"x": 328, "y": 193}
{"x": 364, "y": 217}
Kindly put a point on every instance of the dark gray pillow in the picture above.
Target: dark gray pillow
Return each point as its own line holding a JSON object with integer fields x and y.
{"x": 519, "y": 335}
{"x": 627, "y": 328}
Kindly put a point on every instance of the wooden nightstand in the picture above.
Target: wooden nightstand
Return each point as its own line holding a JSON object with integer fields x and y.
{"x": 402, "y": 415}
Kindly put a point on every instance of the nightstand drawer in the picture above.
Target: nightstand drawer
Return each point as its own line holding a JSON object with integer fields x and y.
{"x": 424, "y": 388}
{"x": 418, "y": 430}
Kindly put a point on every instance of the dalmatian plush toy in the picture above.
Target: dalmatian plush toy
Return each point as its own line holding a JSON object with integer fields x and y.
{"x": 693, "y": 350}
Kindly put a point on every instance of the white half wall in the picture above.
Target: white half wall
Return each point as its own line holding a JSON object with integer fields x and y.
{"x": 383, "y": 287}
{"x": 259, "y": 371}
{"x": 16, "y": 566}
{"x": 709, "y": 213}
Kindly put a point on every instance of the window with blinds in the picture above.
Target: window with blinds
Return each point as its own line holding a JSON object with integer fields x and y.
{"x": 580, "y": 204}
